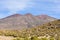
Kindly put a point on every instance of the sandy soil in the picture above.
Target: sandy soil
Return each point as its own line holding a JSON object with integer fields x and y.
{"x": 6, "y": 38}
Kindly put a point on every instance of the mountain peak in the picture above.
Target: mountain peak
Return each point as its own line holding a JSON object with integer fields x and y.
{"x": 17, "y": 15}
{"x": 14, "y": 15}
{"x": 28, "y": 14}
{"x": 43, "y": 16}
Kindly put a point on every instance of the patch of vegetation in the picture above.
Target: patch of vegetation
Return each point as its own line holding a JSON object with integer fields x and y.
{"x": 52, "y": 38}
{"x": 43, "y": 39}
{"x": 51, "y": 28}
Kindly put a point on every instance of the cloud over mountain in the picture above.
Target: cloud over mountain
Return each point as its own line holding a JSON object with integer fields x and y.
{"x": 14, "y": 5}
{"x": 50, "y": 7}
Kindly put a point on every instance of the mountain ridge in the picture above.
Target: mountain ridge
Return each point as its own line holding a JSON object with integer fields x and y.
{"x": 18, "y": 21}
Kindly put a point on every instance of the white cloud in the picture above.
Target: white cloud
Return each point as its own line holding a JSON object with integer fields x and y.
{"x": 55, "y": 1}
{"x": 50, "y": 5}
{"x": 15, "y": 5}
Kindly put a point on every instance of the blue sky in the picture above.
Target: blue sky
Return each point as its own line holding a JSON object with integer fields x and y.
{"x": 35, "y": 7}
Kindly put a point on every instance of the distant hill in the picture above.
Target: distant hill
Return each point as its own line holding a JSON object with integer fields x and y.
{"x": 51, "y": 28}
{"x": 18, "y": 21}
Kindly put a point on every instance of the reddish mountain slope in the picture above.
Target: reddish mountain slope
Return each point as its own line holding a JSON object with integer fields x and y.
{"x": 18, "y": 21}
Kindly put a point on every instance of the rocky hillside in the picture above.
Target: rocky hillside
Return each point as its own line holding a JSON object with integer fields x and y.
{"x": 51, "y": 29}
{"x": 18, "y": 21}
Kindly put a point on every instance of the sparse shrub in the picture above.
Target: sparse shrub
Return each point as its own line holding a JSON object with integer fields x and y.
{"x": 52, "y": 38}
{"x": 26, "y": 38}
{"x": 34, "y": 38}
{"x": 18, "y": 38}
{"x": 43, "y": 39}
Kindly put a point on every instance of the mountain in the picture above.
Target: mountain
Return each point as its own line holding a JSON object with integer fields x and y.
{"x": 46, "y": 17}
{"x": 51, "y": 28}
{"x": 18, "y": 21}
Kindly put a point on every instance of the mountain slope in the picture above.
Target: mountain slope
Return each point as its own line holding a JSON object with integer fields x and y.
{"x": 51, "y": 28}
{"x": 18, "y": 21}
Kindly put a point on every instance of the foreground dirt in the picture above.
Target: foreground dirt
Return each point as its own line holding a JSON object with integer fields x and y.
{"x": 6, "y": 38}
